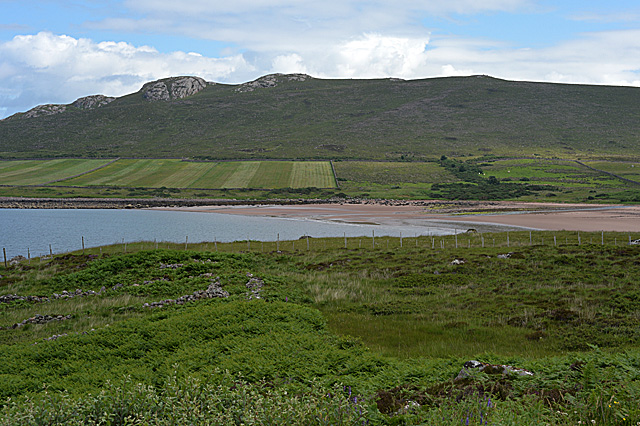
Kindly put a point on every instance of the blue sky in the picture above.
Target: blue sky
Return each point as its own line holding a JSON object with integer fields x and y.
{"x": 55, "y": 51}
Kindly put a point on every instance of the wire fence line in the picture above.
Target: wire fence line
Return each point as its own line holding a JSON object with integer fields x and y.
{"x": 508, "y": 240}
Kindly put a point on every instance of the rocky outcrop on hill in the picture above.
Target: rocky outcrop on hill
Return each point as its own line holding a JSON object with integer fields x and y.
{"x": 90, "y": 102}
{"x": 270, "y": 80}
{"x": 87, "y": 102}
{"x": 42, "y": 110}
{"x": 174, "y": 88}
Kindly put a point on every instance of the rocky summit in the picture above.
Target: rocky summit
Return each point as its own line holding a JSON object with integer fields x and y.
{"x": 169, "y": 89}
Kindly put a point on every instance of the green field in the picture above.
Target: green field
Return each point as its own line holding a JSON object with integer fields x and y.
{"x": 170, "y": 173}
{"x": 628, "y": 170}
{"x": 339, "y": 336}
{"x": 36, "y": 172}
{"x": 552, "y": 172}
{"x": 522, "y": 179}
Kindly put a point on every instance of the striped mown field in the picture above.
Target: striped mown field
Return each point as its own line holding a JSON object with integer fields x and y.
{"x": 170, "y": 173}
{"x": 41, "y": 172}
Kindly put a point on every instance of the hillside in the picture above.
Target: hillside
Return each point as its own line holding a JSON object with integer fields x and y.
{"x": 297, "y": 116}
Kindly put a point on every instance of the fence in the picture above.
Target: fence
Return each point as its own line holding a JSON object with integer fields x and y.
{"x": 467, "y": 240}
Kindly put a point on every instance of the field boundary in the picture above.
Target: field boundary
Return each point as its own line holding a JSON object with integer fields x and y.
{"x": 335, "y": 176}
{"x": 608, "y": 173}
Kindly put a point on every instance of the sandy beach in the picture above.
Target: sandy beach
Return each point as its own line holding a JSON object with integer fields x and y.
{"x": 488, "y": 216}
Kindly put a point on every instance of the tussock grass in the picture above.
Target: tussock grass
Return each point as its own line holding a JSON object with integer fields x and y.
{"x": 384, "y": 320}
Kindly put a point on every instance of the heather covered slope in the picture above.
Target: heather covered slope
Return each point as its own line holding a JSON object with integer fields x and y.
{"x": 296, "y": 116}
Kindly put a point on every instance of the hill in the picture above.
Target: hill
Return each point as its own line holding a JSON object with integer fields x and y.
{"x": 299, "y": 117}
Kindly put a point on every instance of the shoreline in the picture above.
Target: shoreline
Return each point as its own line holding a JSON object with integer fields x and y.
{"x": 486, "y": 215}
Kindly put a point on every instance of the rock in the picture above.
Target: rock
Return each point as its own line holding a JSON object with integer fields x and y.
{"x": 271, "y": 80}
{"x": 90, "y": 102}
{"x": 156, "y": 91}
{"x": 171, "y": 265}
{"x": 16, "y": 260}
{"x": 457, "y": 262}
{"x": 635, "y": 242}
{"x": 186, "y": 86}
{"x": 174, "y": 88}
{"x": 504, "y": 256}
{"x": 213, "y": 290}
{"x": 490, "y": 369}
{"x": 41, "y": 319}
{"x": 42, "y": 110}
{"x": 254, "y": 285}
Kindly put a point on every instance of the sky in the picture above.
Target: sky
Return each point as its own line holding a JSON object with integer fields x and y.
{"x": 53, "y": 51}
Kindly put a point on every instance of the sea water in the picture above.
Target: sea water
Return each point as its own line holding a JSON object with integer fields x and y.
{"x": 34, "y": 230}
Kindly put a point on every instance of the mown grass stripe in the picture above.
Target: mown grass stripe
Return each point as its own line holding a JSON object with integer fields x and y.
{"x": 38, "y": 172}
{"x": 312, "y": 174}
{"x": 242, "y": 175}
{"x": 272, "y": 174}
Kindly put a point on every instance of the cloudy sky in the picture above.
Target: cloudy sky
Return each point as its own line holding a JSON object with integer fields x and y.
{"x": 54, "y": 51}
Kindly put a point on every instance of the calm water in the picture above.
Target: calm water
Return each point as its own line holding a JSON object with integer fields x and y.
{"x": 35, "y": 229}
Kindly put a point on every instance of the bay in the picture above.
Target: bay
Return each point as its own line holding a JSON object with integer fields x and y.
{"x": 63, "y": 229}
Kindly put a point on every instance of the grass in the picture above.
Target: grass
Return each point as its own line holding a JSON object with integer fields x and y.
{"x": 394, "y": 323}
{"x": 165, "y": 173}
{"x": 318, "y": 119}
{"x": 549, "y": 180}
{"x": 628, "y": 170}
{"x": 39, "y": 172}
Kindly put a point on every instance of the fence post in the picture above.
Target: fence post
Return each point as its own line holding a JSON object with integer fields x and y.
{"x": 401, "y": 240}
{"x": 602, "y": 237}
{"x": 373, "y": 239}
{"x": 4, "y": 251}
{"x": 345, "y": 240}
{"x": 50, "y": 251}
{"x": 83, "y": 245}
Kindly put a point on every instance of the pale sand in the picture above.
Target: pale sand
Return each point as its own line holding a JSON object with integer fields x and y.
{"x": 543, "y": 216}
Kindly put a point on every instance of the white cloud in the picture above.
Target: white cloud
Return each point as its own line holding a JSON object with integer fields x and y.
{"x": 289, "y": 64}
{"x": 48, "y": 68}
{"x": 375, "y": 56}
{"x": 290, "y": 25}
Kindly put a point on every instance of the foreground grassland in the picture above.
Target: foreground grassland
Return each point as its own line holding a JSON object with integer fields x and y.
{"x": 313, "y": 333}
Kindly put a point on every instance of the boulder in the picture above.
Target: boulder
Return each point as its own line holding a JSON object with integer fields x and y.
{"x": 487, "y": 368}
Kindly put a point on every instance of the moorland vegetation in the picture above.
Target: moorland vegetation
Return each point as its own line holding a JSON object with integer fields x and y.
{"x": 309, "y": 332}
